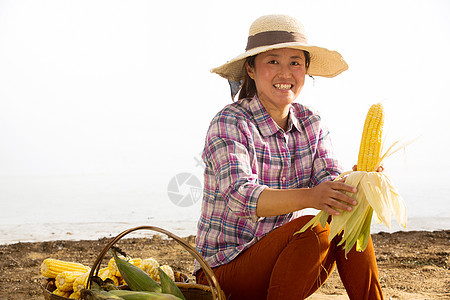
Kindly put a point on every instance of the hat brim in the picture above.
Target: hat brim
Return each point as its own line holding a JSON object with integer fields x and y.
{"x": 324, "y": 62}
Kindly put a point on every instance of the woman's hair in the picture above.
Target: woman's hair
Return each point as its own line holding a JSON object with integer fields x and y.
{"x": 248, "y": 87}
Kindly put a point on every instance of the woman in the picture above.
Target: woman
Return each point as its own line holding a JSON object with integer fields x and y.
{"x": 268, "y": 158}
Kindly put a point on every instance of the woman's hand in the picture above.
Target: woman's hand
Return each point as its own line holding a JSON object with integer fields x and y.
{"x": 328, "y": 196}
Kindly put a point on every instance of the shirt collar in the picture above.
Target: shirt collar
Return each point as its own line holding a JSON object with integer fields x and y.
{"x": 293, "y": 120}
{"x": 264, "y": 121}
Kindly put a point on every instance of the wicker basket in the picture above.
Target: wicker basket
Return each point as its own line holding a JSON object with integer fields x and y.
{"x": 49, "y": 285}
{"x": 191, "y": 291}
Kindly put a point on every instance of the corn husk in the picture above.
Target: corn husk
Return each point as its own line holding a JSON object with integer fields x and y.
{"x": 376, "y": 197}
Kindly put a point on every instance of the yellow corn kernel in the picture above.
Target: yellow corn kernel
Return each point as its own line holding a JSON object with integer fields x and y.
{"x": 168, "y": 270}
{"x": 113, "y": 270}
{"x": 135, "y": 261}
{"x": 58, "y": 292}
{"x": 106, "y": 273}
{"x": 75, "y": 295}
{"x": 150, "y": 266}
{"x": 102, "y": 271}
{"x": 370, "y": 147}
{"x": 113, "y": 267}
{"x": 64, "y": 280}
{"x": 52, "y": 267}
{"x": 80, "y": 282}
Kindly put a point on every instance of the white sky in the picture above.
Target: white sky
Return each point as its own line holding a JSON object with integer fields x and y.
{"x": 108, "y": 87}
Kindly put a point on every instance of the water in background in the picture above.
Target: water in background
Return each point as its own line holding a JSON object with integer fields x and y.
{"x": 38, "y": 208}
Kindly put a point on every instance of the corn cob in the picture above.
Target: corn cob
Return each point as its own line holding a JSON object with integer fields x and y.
{"x": 52, "y": 267}
{"x": 80, "y": 282}
{"x": 375, "y": 192}
{"x": 136, "y": 261}
{"x": 370, "y": 148}
{"x": 113, "y": 267}
{"x": 150, "y": 266}
{"x": 64, "y": 280}
{"x": 58, "y": 292}
{"x": 102, "y": 271}
{"x": 106, "y": 273}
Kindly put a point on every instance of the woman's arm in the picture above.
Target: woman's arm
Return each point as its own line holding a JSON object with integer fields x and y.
{"x": 326, "y": 196}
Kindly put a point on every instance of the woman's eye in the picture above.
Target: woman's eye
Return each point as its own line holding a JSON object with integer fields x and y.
{"x": 272, "y": 62}
{"x": 295, "y": 63}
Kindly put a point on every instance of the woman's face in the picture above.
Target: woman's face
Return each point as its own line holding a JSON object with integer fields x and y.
{"x": 279, "y": 76}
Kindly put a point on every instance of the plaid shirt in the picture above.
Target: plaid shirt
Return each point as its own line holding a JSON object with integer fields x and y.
{"x": 245, "y": 152}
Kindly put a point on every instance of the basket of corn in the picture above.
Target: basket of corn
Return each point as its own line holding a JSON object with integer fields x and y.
{"x": 125, "y": 277}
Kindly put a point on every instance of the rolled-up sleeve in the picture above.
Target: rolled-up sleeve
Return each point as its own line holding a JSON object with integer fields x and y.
{"x": 228, "y": 156}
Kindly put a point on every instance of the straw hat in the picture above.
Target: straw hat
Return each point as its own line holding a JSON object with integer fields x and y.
{"x": 281, "y": 31}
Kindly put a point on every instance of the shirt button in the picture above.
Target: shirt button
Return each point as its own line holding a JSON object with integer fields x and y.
{"x": 284, "y": 179}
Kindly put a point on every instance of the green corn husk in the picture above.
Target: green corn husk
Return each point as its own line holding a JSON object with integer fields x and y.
{"x": 136, "y": 279}
{"x": 168, "y": 286}
{"x": 376, "y": 195}
{"x": 135, "y": 295}
{"x": 95, "y": 294}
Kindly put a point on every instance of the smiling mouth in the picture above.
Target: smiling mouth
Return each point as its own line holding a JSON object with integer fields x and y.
{"x": 283, "y": 86}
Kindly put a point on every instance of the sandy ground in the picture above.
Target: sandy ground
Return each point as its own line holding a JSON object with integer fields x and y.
{"x": 412, "y": 265}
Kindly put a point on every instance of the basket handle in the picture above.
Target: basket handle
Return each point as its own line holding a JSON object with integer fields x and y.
{"x": 217, "y": 293}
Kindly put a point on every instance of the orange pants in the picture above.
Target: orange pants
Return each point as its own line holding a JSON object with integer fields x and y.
{"x": 286, "y": 266}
